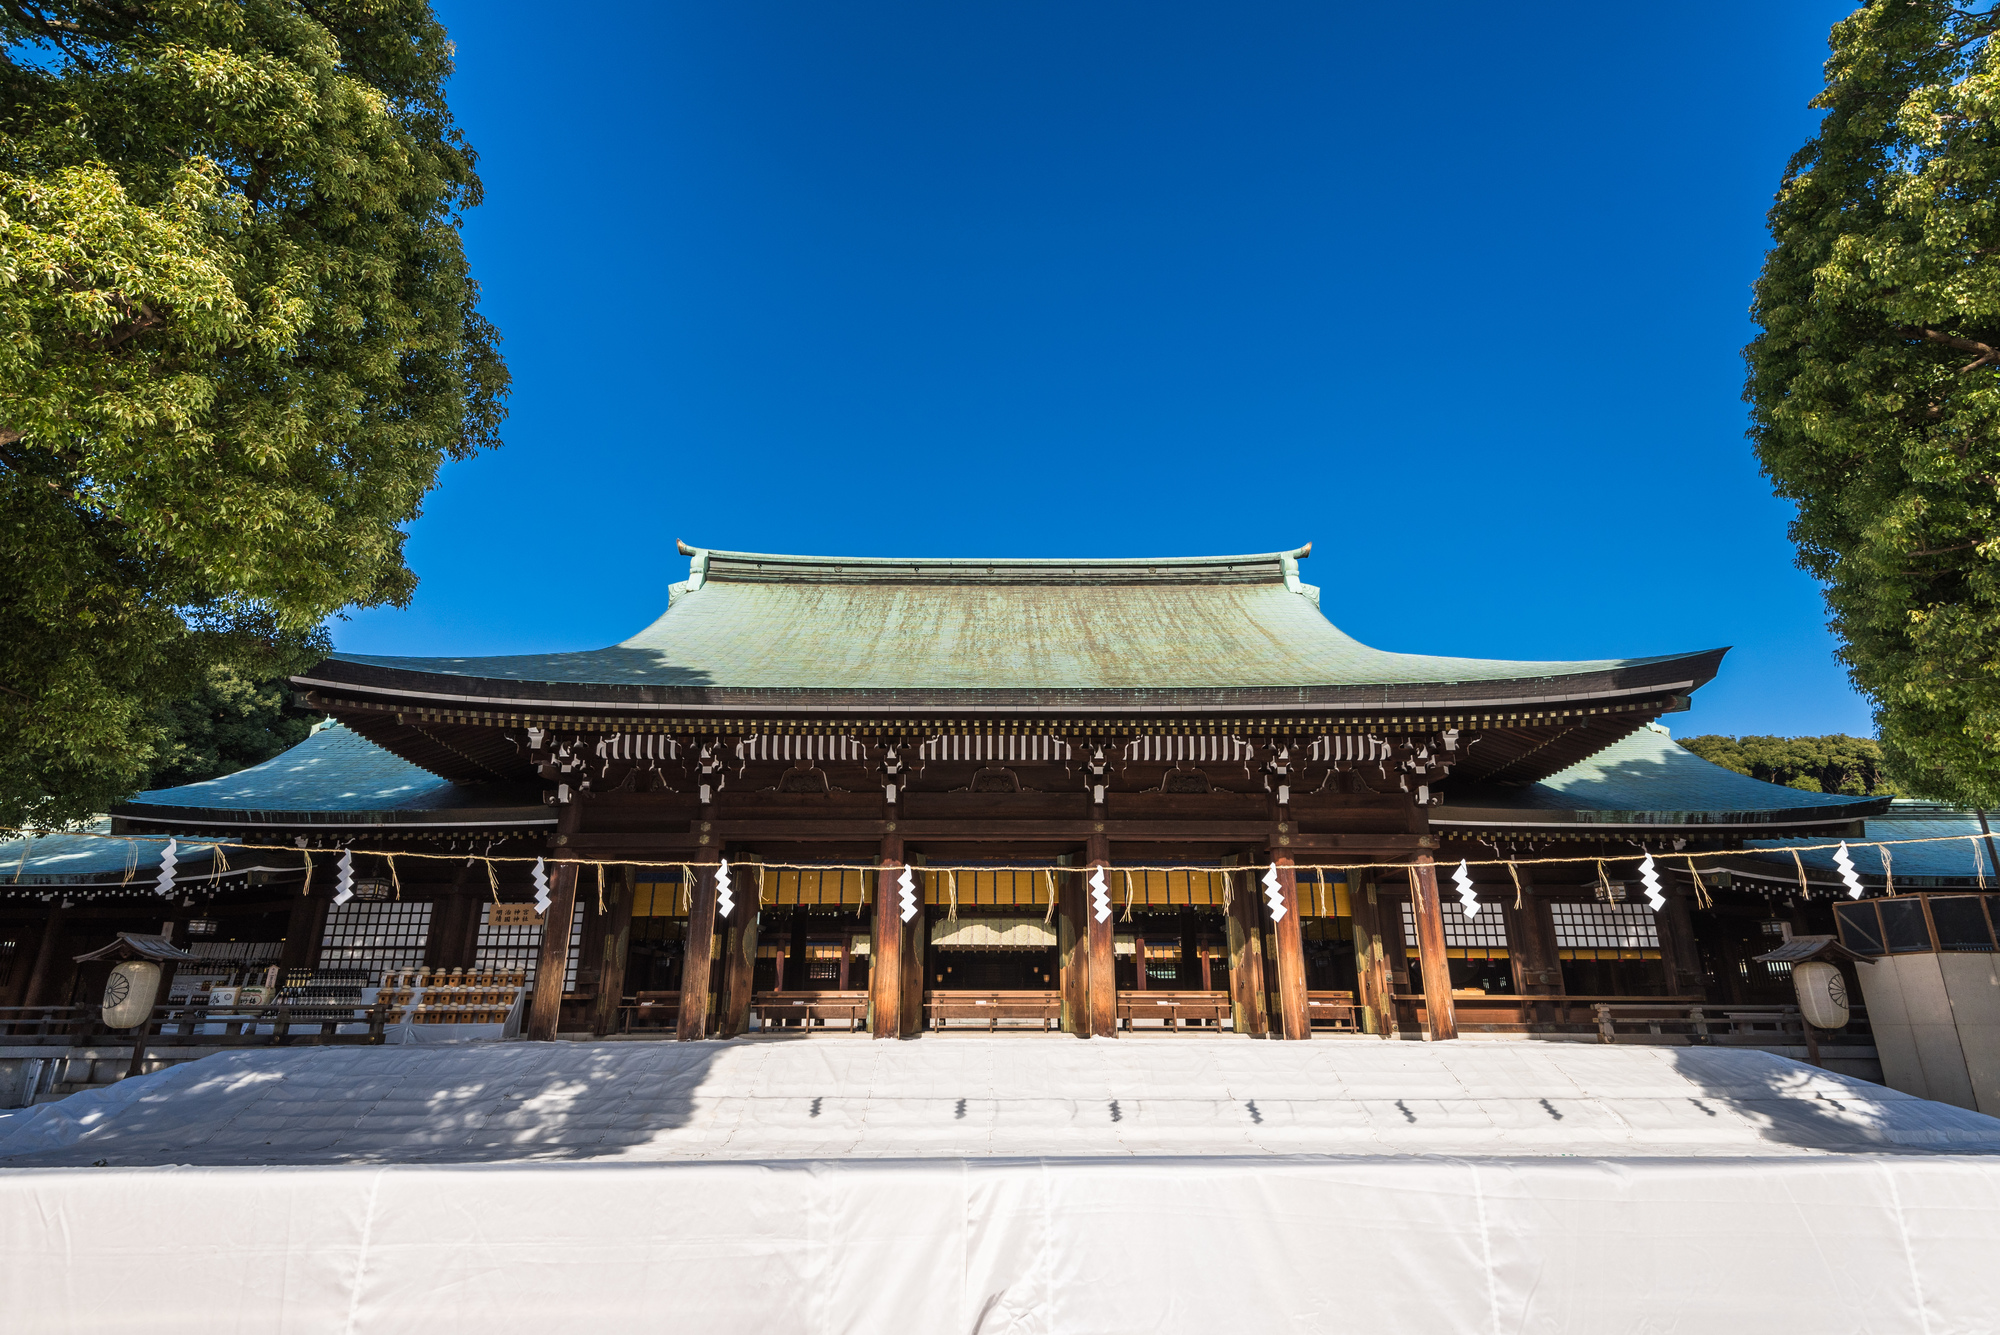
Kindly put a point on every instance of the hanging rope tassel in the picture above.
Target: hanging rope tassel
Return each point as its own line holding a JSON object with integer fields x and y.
{"x": 306, "y": 887}
{"x": 600, "y": 889}
{"x": 1701, "y": 896}
{"x": 1888, "y": 870}
{"x": 1978, "y": 862}
{"x": 1796, "y": 862}
{"x": 1515, "y": 872}
{"x": 1603, "y": 881}
{"x": 1128, "y": 896}
{"x": 492, "y": 878}
{"x": 394, "y": 879}
{"x": 951, "y": 889}
{"x": 1049, "y": 917}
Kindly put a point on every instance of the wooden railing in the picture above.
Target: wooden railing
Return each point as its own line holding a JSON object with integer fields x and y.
{"x": 1637, "y": 1019}
{"x": 809, "y": 1010}
{"x": 194, "y": 1026}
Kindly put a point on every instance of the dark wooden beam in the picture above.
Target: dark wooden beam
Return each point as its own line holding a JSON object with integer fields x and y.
{"x": 981, "y": 831}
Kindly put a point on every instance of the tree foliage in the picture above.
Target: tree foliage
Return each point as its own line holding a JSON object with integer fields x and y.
{"x": 1832, "y": 764}
{"x": 238, "y": 339}
{"x": 232, "y": 722}
{"x": 1875, "y": 384}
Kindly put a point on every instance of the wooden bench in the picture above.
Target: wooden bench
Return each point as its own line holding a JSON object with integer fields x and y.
{"x": 990, "y": 1008}
{"x": 650, "y": 1010}
{"x": 809, "y": 1010}
{"x": 1199, "y": 1009}
{"x": 1335, "y": 1011}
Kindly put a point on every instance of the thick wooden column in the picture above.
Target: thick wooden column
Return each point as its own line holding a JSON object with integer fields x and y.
{"x": 1294, "y": 1016}
{"x": 613, "y": 946}
{"x": 305, "y": 929}
{"x": 1676, "y": 924}
{"x": 41, "y": 978}
{"x": 885, "y": 945}
{"x": 1103, "y": 962}
{"x": 1430, "y": 949}
{"x": 1371, "y": 960}
{"x": 1531, "y": 941}
{"x": 1073, "y": 953}
{"x": 1247, "y": 1010}
{"x": 697, "y": 958}
{"x": 739, "y": 949}
{"x": 552, "y": 960}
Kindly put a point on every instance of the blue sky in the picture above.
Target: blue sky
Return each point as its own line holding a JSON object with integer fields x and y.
{"x": 1454, "y": 291}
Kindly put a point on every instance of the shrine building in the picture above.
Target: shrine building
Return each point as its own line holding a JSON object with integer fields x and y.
{"x": 1091, "y": 796}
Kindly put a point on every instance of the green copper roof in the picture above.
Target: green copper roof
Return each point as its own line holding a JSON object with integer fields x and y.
{"x": 1648, "y": 778}
{"x": 774, "y": 623}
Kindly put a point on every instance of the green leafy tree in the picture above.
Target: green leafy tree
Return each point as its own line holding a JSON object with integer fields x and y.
{"x": 238, "y": 339}
{"x": 1832, "y": 764}
{"x": 1875, "y": 384}
{"x": 232, "y": 722}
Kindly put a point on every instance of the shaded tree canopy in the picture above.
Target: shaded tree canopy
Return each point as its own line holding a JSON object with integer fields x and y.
{"x": 1832, "y": 764}
{"x": 238, "y": 339}
{"x": 1875, "y": 384}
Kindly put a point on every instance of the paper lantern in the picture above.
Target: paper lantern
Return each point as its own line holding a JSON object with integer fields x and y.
{"x": 1822, "y": 994}
{"x": 129, "y": 993}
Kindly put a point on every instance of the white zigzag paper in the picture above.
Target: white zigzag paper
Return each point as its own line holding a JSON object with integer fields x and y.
{"x": 540, "y": 876}
{"x": 724, "y": 900}
{"x": 1274, "y": 892}
{"x": 1468, "y": 898}
{"x": 1846, "y": 865}
{"x": 343, "y": 883}
{"x": 170, "y": 857}
{"x": 1651, "y": 880}
{"x": 1100, "y": 898}
{"x": 906, "y": 889}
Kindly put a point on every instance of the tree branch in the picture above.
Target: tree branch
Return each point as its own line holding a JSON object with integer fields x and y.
{"x": 1988, "y": 355}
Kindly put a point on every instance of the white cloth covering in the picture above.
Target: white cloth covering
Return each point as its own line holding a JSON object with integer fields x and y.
{"x": 999, "y": 1184}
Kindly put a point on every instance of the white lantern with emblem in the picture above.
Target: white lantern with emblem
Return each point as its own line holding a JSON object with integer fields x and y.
{"x": 129, "y": 993}
{"x": 1822, "y": 994}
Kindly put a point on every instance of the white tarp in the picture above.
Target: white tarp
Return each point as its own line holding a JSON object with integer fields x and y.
{"x": 836, "y": 1185}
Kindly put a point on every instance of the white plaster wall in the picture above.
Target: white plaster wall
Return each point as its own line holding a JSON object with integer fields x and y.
{"x": 1910, "y": 1010}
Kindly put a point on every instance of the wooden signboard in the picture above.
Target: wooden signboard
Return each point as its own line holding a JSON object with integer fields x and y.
{"x": 513, "y": 915}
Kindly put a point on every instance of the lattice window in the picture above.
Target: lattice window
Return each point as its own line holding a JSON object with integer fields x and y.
{"x": 1604, "y": 927}
{"x": 375, "y": 937}
{"x": 519, "y": 947}
{"x": 1487, "y": 931}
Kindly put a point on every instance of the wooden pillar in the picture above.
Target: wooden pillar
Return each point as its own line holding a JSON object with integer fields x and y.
{"x": 885, "y": 946}
{"x": 1371, "y": 960}
{"x": 1531, "y": 942}
{"x": 1073, "y": 957}
{"x": 613, "y": 946}
{"x": 698, "y": 951}
{"x": 1103, "y": 1007}
{"x": 304, "y": 930}
{"x": 1247, "y": 1011}
{"x": 1430, "y": 949}
{"x": 1295, "y": 1018}
{"x": 739, "y": 948}
{"x": 42, "y": 977}
{"x": 552, "y": 960}
{"x": 1676, "y": 924}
